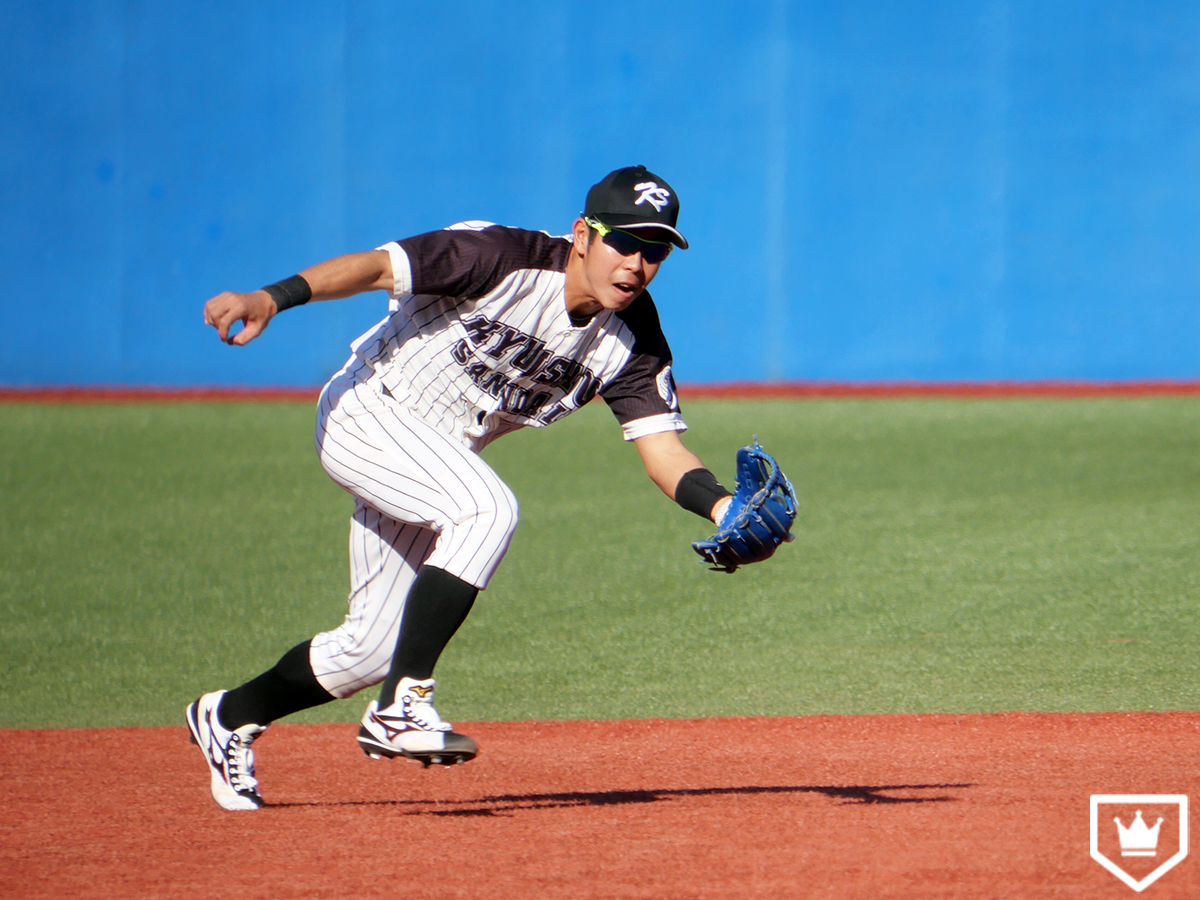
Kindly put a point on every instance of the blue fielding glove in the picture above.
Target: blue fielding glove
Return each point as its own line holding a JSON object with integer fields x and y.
{"x": 759, "y": 517}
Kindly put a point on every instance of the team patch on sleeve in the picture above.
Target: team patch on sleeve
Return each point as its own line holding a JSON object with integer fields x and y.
{"x": 665, "y": 382}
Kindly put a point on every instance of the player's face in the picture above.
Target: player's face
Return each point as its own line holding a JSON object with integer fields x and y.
{"x": 615, "y": 269}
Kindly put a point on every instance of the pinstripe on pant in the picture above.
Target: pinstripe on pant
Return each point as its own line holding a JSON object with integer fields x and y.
{"x": 423, "y": 498}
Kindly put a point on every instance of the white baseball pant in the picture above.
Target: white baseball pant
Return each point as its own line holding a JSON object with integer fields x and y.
{"x": 423, "y": 498}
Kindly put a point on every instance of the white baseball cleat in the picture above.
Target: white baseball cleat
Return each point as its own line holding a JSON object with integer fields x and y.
{"x": 412, "y": 728}
{"x": 228, "y": 753}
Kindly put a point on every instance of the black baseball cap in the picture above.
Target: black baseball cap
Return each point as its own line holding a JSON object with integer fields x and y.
{"x": 632, "y": 198}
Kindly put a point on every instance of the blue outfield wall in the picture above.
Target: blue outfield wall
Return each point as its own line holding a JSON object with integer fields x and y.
{"x": 957, "y": 190}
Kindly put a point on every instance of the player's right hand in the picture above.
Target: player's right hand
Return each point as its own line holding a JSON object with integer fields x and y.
{"x": 254, "y": 310}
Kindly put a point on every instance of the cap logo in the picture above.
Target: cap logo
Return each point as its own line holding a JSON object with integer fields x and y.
{"x": 652, "y": 194}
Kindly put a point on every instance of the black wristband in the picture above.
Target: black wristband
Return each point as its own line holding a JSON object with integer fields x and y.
{"x": 698, "y": 491}
{"x": 294, "y": 291}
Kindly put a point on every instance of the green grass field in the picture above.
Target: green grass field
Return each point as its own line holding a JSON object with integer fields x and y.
{"x": 951, "y": 556}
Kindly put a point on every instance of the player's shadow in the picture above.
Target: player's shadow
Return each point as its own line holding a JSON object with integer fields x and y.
{"x": 508, "y": 804}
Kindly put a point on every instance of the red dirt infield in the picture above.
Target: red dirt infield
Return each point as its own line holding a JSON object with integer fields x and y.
{"x": 964, "y": 806}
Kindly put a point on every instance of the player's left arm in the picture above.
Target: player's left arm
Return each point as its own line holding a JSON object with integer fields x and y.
{"x": 751, "y": 523}
{"x": 667, "y": 461}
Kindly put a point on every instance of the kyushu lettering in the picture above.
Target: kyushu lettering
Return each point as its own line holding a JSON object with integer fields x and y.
{"x": 528, "y": 376}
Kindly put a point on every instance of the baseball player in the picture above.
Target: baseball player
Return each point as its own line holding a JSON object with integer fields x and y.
{"x": 489, "y": 329}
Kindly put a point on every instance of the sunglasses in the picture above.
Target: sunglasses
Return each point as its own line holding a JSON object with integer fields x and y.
{"x": 627, "y": 243}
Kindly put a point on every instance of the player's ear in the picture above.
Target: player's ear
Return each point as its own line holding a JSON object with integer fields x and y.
{"x": 579, "y": 231}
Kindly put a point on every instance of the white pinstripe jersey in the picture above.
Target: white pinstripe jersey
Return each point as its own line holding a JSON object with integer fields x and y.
{"x": 478, "y": 341}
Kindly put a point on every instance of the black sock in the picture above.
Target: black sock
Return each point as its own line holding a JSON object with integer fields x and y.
{"x": 437, "y": 605}
{"x": 288, "y": 687}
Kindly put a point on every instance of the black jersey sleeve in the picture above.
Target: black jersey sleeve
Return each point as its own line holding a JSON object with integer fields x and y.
{"x": 469, "y": 260}
{"x": 642, "y": 395}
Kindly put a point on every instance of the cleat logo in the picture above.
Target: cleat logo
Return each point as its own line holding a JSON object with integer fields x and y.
{"x": 422, "y": 690}
{"x": 392, "y": 728}
{"x": 216, "y": 754}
